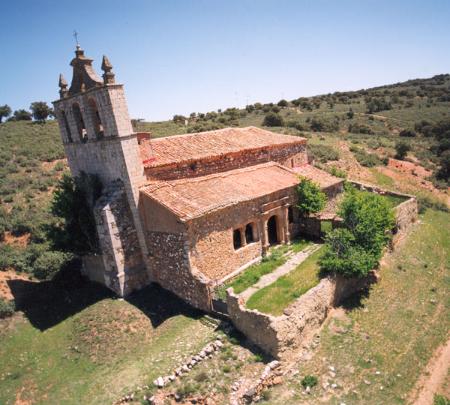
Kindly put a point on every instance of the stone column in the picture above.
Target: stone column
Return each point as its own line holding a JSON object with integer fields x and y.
{"x": 287, "y": 235}
{"x": 264, "y": 236}
{"x": 243, "y": 241}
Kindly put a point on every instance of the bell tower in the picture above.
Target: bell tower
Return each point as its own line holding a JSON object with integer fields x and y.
{"x": 98, "y": 139}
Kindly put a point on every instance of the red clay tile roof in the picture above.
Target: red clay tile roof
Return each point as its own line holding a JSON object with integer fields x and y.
{"x": 191, "y": 147}
{"x": 194, "y": 197}
{"x": 321, "y": 177}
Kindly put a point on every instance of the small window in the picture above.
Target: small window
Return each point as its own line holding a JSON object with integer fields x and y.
{"x": 237, "y": 241}
{"x": 249, "y": 238}
{"x": 290, "y": 215}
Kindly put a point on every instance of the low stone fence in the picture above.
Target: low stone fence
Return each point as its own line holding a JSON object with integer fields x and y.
{"x": 280, "y": 335}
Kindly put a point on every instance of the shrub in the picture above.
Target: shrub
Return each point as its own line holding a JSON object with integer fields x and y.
{"x": 356, "y": 128}
{"x": 323, "y": 153}
{"x": 273, "y": 120}
{"x": 311, "y": 198}
{"x": 407, "y": 133}
{"x": 50, "y": 263}
{"x": 401, "y": 149}
{"x": 323, "y": 125}
{"x": 7, "y": 308}
{"x": 444, "y": 171}
{"x": 356, "y": 248}
{"x": 366, "y": 159}
{"x": 282, "y": 103}
{"x": 295, "y": 124}
{"x": 440, "y": 400}
{"x": 309, "y": 381}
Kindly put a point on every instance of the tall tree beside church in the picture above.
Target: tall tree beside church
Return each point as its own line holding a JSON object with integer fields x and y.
{"x": 5, "y": 111}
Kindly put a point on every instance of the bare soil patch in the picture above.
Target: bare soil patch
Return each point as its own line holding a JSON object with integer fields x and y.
{"x": 7, "y": 276}
{"x": 433, "y": 379}
{"x": 19, "y": 241}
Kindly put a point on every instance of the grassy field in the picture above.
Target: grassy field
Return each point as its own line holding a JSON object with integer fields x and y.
{"x": 82, "y": 346}
{"x": 274, "y": 298}
{"x": 74, "y": 343}
{"x": 277, "y": 258}
{"x": 380, "y": 345}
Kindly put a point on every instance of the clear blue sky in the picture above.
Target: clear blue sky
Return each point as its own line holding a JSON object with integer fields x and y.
{"x": 175, "y": 57}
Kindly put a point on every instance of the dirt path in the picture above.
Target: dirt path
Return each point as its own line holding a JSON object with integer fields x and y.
{"x": 433, "y": 377}
{"x": 291, "y": 264}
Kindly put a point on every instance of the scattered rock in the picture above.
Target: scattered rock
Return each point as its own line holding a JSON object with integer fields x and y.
{"x": 159, "y": 382}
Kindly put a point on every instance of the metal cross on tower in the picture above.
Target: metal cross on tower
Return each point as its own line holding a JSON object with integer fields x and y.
{"x": 75, "y": 35}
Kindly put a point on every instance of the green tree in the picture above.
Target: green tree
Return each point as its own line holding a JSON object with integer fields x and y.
{"x": 73, "y": 202}
{"x": 311, "y": 198}
{"x": 22, "y": 115}
{"x": 40, "y": 110}
{"x": 356, "y": 249}
{"x": 273, "y": 120}
{"x": 5, "y": 111}
{"x": 444, "y": 171}
{"x": 401, "y": 149}
{"x": 282, "y": 103}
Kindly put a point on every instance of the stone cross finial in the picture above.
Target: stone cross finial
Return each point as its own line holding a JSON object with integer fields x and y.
{"x": 62, "y": 86}
{"x": 108, "y": 76}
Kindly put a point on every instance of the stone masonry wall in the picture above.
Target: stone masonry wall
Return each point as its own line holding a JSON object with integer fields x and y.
{"x": 281, "y": 335}
{"x": 294, "y": 155}
{"x": 169, "y": 259}
{"x": 124, "y": 269}
{"x": 212, "y": 251}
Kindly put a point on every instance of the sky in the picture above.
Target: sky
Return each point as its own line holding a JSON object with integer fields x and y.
{"x": 177, "y": 57}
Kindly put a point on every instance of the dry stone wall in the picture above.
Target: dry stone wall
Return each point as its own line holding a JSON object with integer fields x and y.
{"x": 294, "y": 155}
{"x": 282, "y": 335}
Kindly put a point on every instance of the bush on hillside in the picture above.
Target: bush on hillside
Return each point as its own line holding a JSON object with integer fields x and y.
{"x": 40, "y": 110}
{"x": 407, "y": 133}
{"x": 357, "y": 128}
{"x": 7, "y": 308}
{"x": 5, "y": 111}
{"x": 311, "y": 198}
{"x": 282, "y": 103}
{"x": 401, "y": 150}
{"x": 364, "y": 158}
{"x": 49, "y": 263}
{"x": 323, "y": 153}
{"x": 273, "y": 120}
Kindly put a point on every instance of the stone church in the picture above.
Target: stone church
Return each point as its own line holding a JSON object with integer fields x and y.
{"x": 187, "y": 212}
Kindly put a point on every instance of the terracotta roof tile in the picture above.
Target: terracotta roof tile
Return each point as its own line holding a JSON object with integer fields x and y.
{"x": 321, "y": 177}
{"x": 191, "y": 147}
{"x": 193, "y": 197}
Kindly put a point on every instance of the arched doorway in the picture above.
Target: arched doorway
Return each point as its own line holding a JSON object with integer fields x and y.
{"x": 272, "y": 230}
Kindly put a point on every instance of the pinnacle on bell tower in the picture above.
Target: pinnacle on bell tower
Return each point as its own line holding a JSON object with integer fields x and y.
{"x": 108, "y": 75}
{"x": 63, "y": 91}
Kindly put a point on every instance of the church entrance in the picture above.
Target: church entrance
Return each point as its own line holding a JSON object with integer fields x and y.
{"x": 272, "y": 230}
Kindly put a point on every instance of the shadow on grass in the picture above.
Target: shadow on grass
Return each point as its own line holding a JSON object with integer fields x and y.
{"x": 356, "y": 300}
{"x": 47, "y": 303}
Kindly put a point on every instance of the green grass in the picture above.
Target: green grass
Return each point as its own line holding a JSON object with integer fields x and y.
{"x": 274, "y": 298}
{"x": 96, "y": 355}
{"x": 395, "y": 329}
{"x": 252, "y": 274}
